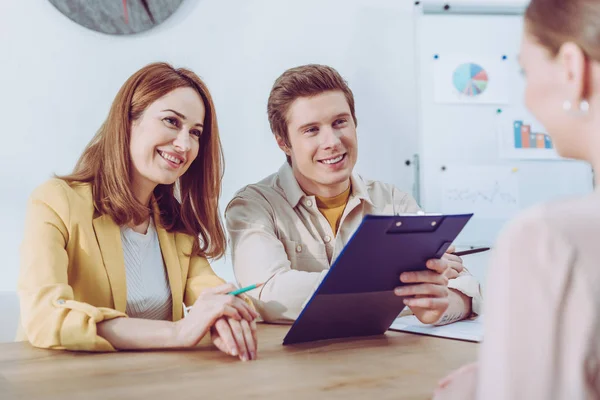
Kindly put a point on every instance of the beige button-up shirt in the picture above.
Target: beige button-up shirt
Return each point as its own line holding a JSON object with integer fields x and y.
{"x": 279, "y": 236}
{"x": 542, "y": 312}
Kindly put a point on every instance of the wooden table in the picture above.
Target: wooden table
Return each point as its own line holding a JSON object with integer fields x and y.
{"x": 393, "y": 366}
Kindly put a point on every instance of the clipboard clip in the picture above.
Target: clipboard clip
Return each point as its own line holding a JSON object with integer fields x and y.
{"x": 415, "y": 223}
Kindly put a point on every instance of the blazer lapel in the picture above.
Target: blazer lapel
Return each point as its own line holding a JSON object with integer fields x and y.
{"x": 108, "y": 235}
{"x": 169, "y": 253}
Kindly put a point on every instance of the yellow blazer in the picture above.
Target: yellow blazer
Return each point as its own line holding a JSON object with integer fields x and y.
{"x": 72, "y": 272}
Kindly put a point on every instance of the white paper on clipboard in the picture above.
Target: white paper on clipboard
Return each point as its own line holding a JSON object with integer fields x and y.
{"x": 470, "y": 330}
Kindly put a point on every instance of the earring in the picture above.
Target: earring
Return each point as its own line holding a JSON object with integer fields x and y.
{"x": 584, "y": 107}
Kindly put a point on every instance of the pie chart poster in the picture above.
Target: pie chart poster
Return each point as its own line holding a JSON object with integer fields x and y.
{"x": 471, "y": 80}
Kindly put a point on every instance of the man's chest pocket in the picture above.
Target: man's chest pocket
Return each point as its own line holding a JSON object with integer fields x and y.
{"x": 309, "y": 257}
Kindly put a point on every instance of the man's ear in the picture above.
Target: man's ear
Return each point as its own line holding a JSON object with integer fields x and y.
{"x": 283, "y": 146}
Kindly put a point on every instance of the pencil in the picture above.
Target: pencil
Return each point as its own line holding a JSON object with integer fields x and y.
{"x": 234, "y": 293}
{"x": 245, "y": 289}
{"x": 472, "y": 251}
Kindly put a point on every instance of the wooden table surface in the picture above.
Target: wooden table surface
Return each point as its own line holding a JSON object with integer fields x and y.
{"x": 392, "y": 366}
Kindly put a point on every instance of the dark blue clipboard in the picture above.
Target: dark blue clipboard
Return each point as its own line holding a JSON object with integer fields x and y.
{"x": 356, "y": 297}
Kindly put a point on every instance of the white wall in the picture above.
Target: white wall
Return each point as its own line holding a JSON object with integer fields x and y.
{"x": 58, "y": 80}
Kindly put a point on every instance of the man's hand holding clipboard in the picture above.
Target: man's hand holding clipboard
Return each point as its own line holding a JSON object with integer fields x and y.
{"x": 427, "y": 290}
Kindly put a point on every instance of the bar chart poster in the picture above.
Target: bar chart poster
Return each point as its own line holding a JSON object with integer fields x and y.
{"x": 521, "y": 136}
{"x": 470, "y": 79}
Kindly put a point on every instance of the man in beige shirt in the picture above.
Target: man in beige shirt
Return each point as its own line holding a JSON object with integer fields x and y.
{"x": 288, "y": 229}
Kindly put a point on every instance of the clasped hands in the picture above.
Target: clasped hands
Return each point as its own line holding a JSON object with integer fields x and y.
{"x": 230, "y": 320}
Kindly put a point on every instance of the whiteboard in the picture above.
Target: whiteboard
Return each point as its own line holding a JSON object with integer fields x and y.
{"x": 465, "y": 164}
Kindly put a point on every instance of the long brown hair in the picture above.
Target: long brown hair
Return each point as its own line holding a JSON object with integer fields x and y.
{"x": 555, "y": 22}
{"x": 303, "y": 81}
{"x": 106, "y": 164}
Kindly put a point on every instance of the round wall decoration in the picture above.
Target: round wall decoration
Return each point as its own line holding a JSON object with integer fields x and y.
{"x": 117, "y": 17}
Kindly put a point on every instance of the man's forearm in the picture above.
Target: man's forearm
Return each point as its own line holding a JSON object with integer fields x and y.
{"x": 458, "y": 309}
{"x": 283, "y": 297}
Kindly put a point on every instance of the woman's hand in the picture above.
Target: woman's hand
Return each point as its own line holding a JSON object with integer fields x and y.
{"x": 211, "y": 305}
{"x": 237, "y": 338}
{"x": 459, "y": 385}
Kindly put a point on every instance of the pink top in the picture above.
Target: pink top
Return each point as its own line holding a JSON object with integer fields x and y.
{"x": 542, "y": 309}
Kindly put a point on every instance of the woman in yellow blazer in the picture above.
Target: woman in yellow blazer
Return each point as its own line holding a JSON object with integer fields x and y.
{"x": 153, "y": 170}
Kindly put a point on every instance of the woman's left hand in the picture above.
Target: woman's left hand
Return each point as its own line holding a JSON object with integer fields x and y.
{"x": 459, "y": 385}
{"x": 236, "y": 338}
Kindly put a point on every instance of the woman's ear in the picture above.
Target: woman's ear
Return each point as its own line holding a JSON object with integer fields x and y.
{"x": 574, "y": 72}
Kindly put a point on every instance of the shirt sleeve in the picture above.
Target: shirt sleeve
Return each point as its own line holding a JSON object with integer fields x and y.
{"x": 50, "y": 316}
{"x": 259, "y": 256}
{"x": 404, "y": 202}
{"x": 540, "y": 318}
{"x": 468, "y": 285}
